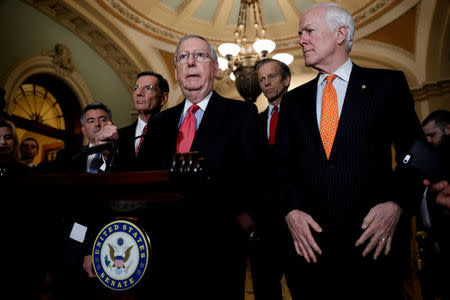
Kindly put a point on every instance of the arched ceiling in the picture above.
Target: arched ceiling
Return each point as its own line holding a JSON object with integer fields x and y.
{"x": 136, "y": 35}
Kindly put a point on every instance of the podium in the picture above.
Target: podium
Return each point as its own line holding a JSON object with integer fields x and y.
{"x": 148, "y": 198}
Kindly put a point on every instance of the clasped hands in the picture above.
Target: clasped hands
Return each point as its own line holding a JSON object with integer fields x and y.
{"x": 379, "y": 226}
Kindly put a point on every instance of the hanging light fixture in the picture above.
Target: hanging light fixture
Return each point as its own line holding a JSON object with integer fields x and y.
{"x": 239, "y": 59}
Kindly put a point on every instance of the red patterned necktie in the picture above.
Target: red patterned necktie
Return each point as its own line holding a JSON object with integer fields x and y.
{"x": 329, "y": 117}
{"x": 186, "y": 132}
{"x": 142, "y": 139}
{"x": 273, "y": 125}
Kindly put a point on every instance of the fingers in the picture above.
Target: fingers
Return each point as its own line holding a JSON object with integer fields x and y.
{"x": 299, "y": 224}
{"x": 87, "y": 266}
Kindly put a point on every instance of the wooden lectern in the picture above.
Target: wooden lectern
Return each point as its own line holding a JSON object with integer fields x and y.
{"x": 148, "y": 198}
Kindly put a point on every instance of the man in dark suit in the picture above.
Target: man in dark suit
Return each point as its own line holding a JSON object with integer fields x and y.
{"x": 212, "y": 226}
{"x": 266, "y": 257}
{"x": 433, "y": 219}
{"x": 344, "y": 205}
{"x": 74, "y": 226}
{"x": 151, "y": 93}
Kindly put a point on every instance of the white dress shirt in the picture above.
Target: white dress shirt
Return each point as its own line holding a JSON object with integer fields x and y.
{"x": 340, "y": 84}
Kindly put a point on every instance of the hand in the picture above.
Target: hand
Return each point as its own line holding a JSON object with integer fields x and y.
{"x": 379, "y": 225}
{"x": 246, "y": 222}
{"x": 106, "y": 133}
{"x": 299, "y": 223}
{"x": 87, "y": 266}
{"x": 443, "y": 196}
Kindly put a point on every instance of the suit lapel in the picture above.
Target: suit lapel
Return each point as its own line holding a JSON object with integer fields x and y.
{"x": 212, "y": 117}
{"x": 310, "y": 110}
{"x": 172, "y": 125}
{"x": 356, "y": 92}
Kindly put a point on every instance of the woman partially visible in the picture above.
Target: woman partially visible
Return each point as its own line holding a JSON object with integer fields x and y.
{"x": 10, "y": 166}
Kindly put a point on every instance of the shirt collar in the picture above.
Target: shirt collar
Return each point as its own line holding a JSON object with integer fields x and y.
{"x": 343, "y": 72}
{"x": 140, "y": 125}
{"x": 202, "y": 104}
{"x": 271, "y": 106}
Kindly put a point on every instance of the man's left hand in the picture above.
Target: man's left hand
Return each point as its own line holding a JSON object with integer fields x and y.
{"x": 379, "y": 226}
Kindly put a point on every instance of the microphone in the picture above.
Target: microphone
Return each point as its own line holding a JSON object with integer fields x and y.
{"x": 94, "y": 149}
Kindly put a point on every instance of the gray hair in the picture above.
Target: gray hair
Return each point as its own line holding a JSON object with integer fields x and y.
{"x": 95, "y": 105}
{"x": 212, "y": 50}
{"x": 337, "y": 16}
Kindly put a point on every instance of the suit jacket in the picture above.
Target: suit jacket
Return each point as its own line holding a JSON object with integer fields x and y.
{"x": 126, "y": 160}
{"x": 204, "y": 223}
{"x": 378, "y": 110}
{"x": 225, "y": 138}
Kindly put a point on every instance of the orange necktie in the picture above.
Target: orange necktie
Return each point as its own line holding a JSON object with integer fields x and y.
{"x": 186, "y": 132}
{"x": 329, "y": 117}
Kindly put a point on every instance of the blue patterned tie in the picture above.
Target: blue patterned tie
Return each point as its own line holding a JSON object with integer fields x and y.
{"x": 96, "y": 163}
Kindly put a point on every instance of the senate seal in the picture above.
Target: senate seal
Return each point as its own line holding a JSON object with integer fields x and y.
{"x": 120, "y": 255}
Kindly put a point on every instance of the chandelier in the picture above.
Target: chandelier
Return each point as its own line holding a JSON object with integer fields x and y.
{"x": 240, "y": 59}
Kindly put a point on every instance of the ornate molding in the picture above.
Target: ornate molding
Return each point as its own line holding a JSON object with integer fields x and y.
{"x": 61, "y": 57}
{"x": 39, "y": 64}
{"x": 126, "y": 14}
{"x": 428, "y": 90}
{"x": 65, "y": 15}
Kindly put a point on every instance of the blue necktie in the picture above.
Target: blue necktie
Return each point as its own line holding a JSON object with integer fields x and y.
{"x": 96, "y": 163}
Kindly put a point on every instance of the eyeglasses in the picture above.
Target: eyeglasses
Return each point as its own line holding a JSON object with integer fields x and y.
{"x": 199, "y": 56}
{"x": 147, "y": 88}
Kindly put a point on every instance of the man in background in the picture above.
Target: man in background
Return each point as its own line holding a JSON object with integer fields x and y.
{"x": 433, "y": 222}
{"x": 266, "y": 254}
{"x": 151, "y": 93}
{"x": 29, "y": 148}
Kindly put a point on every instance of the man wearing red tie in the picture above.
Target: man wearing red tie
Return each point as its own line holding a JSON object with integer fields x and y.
{"x": 209, "y": 233}
{"x": 274, "y": 78}
{"x": 346, "y": 209}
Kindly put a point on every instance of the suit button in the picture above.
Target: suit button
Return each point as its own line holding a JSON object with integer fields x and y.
{"x": 331, "y": 166}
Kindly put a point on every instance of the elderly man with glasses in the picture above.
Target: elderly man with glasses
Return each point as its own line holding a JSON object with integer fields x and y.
{"x": 212, "y": 230}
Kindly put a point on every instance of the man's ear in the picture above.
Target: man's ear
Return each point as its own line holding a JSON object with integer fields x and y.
{"x": 447, "y": 130}
{"x": 164, "y": 99}
{"x": 342, "y": 34}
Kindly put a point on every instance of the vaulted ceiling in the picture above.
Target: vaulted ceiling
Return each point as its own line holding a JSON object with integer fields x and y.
{"x": 136, "y": 35}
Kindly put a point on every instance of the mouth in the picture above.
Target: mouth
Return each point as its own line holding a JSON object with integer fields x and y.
{"x": 193, "y": 76}
{"x": 305, "y": 52}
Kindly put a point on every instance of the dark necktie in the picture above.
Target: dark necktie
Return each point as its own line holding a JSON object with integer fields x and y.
{"x": 96, "y": 163}
{"x": 273, "y": 125}
{"x": 186, "y": 132}
{"x": 142, "y": 139}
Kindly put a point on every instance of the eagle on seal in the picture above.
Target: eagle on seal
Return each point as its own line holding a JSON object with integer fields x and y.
{"x": 120, "y": 259}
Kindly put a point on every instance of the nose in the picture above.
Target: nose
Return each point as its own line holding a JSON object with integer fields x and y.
{"x": 302, "y": 40}
{"x": 191, "y": 59}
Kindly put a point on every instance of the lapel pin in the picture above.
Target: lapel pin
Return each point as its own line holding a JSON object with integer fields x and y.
{"x": 363, "y": 87}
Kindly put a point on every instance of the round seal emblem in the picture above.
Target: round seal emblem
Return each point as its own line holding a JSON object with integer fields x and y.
{"x": 120, "y": 255}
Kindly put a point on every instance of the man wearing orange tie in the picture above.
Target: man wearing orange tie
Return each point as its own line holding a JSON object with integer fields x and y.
{"x": 345, "y": 207}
